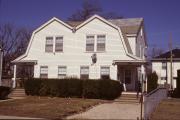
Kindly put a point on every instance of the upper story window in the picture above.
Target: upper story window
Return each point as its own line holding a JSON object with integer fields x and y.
{"x": 90, "y": 43}
{"x": 49, "y": 44}
{"x": 105, "y": 72}
{"x": 101, "y": 42}
{"x": 44, "y": 72}
{"x": 84, "y": 72}
{"x": 62, "y": 71}
{"x": 164, "y": 65}
{"x": 59, "y": 44}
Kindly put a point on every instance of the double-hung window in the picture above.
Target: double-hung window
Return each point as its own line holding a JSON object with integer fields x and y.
{"x": 59, "y": 44}
{"x": 62, "y": 71}
{"x": 164, "y": 65}
{"x": 105, "y": 72}
{"x": 101, "y": 40}
{"x": 90, "y": 43}
{"x": 44, "y": 72}
{"x": 84, "y": 72}
{"x": 49, "y": 44}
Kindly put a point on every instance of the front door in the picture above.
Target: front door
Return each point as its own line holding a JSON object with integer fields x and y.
{"x": 128, "y": 79}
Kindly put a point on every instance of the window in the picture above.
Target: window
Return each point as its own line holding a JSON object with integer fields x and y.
{"x": 127, "y": 76}
{"x": 163, "y": 78}
{"x": 90, "y": 43}
{"x": 84, "y": 71}
{"x": 62, "y": 72}
{"x": 44, "y": 72}
{"x": 101, "y": 42}
{"x": 49, "y": 44}
{"x": 59, "y": 44}
{"x": 163, "y": 65}
{"x": 105, "y": 71}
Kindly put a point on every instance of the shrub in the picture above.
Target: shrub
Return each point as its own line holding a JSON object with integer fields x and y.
{"x": 4, "y": 92}
{"x": 110, "y": 89}
{"x": 91, "y": 89}
{"x": 152, "y": 82}
{"x": 32, "y": 86}
{"x": 73, "y": 87}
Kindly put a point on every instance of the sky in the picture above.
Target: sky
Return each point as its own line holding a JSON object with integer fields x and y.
{"x": 161, "y": 17}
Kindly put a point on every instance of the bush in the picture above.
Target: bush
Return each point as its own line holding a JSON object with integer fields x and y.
{"x": 91, "y": 89}
{"x": 32, "y": 86}
{"x": 152, "y": 82}
{"x": 103, "y": 89}
{"x": 4, "y": 92}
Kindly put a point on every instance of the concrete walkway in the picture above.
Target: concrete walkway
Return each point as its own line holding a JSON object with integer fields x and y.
{"x": 4, "y": 117}
{"x": 115, "y": 110}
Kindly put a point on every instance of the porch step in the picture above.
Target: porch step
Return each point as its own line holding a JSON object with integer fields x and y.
{"x": 128, "y": 97}
{"x": 17, "y": 93}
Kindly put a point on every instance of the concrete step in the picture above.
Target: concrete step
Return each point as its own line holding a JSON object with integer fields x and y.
{"x": 17, "y": 93}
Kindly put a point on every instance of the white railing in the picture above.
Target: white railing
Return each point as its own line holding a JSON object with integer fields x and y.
{"x": 152, "y": 99}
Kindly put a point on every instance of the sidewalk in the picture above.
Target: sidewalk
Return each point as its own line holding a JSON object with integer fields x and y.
{"x": 16, "y": 117}
{"x": 113, "y": 110}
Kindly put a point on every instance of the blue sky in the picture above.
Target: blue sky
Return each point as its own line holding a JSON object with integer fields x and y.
{"x": 161, "y": 17}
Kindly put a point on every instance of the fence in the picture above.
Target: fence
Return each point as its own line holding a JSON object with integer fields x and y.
{"x": 152, "y": 99}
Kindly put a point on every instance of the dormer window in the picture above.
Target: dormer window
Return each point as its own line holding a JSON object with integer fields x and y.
{"x": 49, "y": 44}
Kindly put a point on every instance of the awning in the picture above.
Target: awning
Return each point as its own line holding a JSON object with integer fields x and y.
{"x": 129, "y": 62}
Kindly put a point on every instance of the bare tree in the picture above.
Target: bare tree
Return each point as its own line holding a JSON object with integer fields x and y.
{"x": 13, "y": 42}
{"x": 89, "y": 8}
{"x": 156, "y": 52}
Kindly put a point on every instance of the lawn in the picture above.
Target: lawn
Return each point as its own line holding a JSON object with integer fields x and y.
{"x": 46, "y": 107}
{"x": 168, "y": 109}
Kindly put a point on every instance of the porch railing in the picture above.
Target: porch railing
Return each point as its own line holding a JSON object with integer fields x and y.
{"x": 152, "y": 99}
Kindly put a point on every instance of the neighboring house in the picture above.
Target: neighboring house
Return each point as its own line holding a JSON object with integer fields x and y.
{"x": 162, "y": 66}
{"x": 60, "y": 49}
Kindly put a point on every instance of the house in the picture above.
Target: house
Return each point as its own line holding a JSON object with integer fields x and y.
{"x": 60, "y": 49}
{"x": 162, "y": 66}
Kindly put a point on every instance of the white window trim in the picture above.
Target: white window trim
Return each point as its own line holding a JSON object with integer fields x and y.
{"x": 95, "y": 43}
{"x": 40, "y": 70}
{"x": 55, "y": 44}
{"x": 58, "y": 70}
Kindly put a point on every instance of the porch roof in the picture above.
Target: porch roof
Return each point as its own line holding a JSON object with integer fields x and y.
{"x": 129, "y": 62}
{"x": 25, "y": 62}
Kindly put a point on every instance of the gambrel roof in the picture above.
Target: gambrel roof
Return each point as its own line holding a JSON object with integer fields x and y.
{"x": 128, "y": 26}
{"x": 122, "y": 25}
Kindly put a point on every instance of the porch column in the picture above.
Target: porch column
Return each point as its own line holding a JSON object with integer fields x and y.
{"x": 14, "y": 77}
{"x": 143, "y": 79}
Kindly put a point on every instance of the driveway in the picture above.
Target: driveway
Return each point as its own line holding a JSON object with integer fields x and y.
{"x": 115, "y": 110}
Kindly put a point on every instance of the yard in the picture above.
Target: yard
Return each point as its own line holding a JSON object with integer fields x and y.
{"x": 168, "y": 109}
{"x": 46, "y": 107}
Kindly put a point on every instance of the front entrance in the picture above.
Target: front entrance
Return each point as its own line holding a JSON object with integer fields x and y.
{"x": 127, "y": 75}
{"x": 128, "y": 79}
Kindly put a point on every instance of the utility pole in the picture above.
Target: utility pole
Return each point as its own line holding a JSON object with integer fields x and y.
{"x": 171, "y": 59}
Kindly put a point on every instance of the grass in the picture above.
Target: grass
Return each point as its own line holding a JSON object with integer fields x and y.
{"x": 46, "y": 107}
{"x": 168, "y": 109}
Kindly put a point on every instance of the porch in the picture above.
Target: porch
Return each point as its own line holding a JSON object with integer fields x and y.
{"x": 129, "y": 73}
{"x": 22, "y": 70}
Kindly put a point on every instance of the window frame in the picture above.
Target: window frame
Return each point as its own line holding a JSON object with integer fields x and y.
{"x": 40, "y": 75}
{"x": 47, "y": 45}
{"x": 58, "y": 43}
{"x": 101, "y": 43}
{"x": 103, "y": 76}
{"x": 84, "y": 76}
{"x": 59, "y": 74}
{"x": 94, "y": 42}
{"x": 164, "y": 65}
